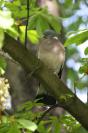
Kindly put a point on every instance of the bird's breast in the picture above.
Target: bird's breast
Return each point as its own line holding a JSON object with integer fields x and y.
{"x": 52, "y": 60}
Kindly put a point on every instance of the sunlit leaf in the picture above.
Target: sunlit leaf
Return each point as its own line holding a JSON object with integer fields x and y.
{"x": 27, "y": 124}
{"x": 33, "y": 36}
{"x": 77, "y": 38}
{"x": 4, "y": 119}
{"x": 22, "y": 34}
{"x": 1, "y": 38}
{"x": 16, "y": 8}
{"x": 12, "y": 32}
{"x": 6, "y": 21}
{"x": 2, "y": 65}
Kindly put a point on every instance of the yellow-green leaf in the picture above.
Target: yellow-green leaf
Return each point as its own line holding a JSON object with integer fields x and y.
{"x": 27, "y": 124}
{"x": 1, "y": 38}
{"x": 77, "y": 38}
{"x": 33, "y": 36}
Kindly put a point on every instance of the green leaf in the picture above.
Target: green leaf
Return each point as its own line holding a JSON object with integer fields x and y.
{"x": 4, "y": 119}
{"x": 41, "y": 25}
{"x": 15, "y": 7}
{"x": 79, "y": 129}
{"x": 4, "y": 128}
{"x": 84, "y": 69}
{"x": 57, "y": 128}
{"x": 27, "y": 124}
{"x": 1, "y": 38}
{"x": 42, "y": 21}
{"x": 22, "y": 34}
{"x": 32, "y": 22}
{"x": 84, "y": 60}
{"x": 6, "y": 20}
{"x": 53, "y": 22}
{"x": 77, "y": 38}
{"x": 81, "y": 85}
{"x": 12, "y": 32}
{"x": 41, "y": 128}
{"x": 86, "y": 51}
{"x": 2, "y": 65}
{"x": 14, "y": 128}
{"x": 26, "y": 106}
{"x": 33, "y": 36}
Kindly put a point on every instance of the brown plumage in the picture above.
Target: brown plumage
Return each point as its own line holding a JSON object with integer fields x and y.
{"x": 52, "y": 53}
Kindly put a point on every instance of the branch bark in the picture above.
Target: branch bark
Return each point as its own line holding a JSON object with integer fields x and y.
{"x": 55, "y": 86}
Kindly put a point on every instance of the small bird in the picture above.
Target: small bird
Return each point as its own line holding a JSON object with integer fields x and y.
{"x": 52, "y": 52}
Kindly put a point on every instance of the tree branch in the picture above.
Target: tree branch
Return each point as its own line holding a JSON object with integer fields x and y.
{"x": 51, "y": 82}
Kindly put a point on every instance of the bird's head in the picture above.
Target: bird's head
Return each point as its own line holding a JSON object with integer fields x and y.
{"x": 51, "y": 34}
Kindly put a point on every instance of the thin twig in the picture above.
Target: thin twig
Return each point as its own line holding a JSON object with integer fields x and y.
{"x": 44, "y": 114}
{"x": 47, "y": 111}
{"x": 26, "y": 24}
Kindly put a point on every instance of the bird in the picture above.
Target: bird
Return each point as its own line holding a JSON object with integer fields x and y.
{"x": 52, "y": 53}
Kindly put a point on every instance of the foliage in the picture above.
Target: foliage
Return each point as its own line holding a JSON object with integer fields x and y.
{"x": 32, "y": 35}
{"x": 13, "y": 20}
{"x": 77, "y": 37}
{"x": 25, "y": 119}
{"x": 19, "y": 121}
{"x": 40, "y": 19}
{"x": 2, "y": 66}
{"x": 1, "y": 38}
